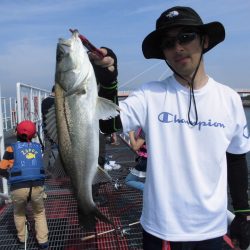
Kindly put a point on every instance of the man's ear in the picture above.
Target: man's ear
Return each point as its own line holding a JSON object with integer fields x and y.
{"x": 205, "y": 42}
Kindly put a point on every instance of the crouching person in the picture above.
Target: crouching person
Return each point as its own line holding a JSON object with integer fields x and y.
{"x": 22, "y": 165}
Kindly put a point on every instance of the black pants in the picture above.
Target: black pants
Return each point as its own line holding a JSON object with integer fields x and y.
{"x": 102, "y": 150}
{"x": 151, "y": 242}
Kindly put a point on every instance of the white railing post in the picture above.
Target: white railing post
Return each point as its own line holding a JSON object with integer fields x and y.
{"x": 2, "y": 148}
{"x": 19, "y": 108}
{"x": 4, "y": 113}
{"x": 10, "y": 111}
{"x": 31, "y": 107}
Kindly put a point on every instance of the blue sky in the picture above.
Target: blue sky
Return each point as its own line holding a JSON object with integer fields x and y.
{"x": 30, "y": 31}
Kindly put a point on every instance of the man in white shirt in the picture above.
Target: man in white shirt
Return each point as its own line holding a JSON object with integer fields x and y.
{"x": 197, "y": 138}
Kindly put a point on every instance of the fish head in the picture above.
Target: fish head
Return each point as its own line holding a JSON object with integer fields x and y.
{"x": 72, "y": 62}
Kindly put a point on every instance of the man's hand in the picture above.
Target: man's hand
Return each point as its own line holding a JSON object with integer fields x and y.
{"x": 105, "y": 62}
{"x": 240, "y": 230}
{"x": 105, "y": 68}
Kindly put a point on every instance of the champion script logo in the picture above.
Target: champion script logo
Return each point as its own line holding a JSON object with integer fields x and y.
{"x": 166, "y": 117}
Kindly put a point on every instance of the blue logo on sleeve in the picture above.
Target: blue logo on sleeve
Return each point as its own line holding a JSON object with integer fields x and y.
{"x": 246, "y": 132}
{"x": 166, "y": 117}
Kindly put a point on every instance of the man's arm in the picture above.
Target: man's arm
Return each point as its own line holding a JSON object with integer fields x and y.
{"x": 135, "y": 143}
{"x": 238, "y": 180}
{"x": 238, "y": 185}
{"x": 106, "y": 74}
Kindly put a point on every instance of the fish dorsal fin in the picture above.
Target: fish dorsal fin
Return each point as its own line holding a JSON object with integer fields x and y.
{"x": 106, "y": 109}
{"x": 50, "y": 124}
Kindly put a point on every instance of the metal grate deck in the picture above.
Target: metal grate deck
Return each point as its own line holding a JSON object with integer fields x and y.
{"x": 122, "y": 204}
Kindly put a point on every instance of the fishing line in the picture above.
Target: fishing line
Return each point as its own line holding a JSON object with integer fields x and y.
{"x": 162, "y": 76}
{"x": 132, "y": 79}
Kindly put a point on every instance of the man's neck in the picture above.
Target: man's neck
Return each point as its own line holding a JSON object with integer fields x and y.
{"x": 200, "y": 79}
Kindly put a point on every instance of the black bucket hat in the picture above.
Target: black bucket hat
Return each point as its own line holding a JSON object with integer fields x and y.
{"x": 180, "y": 16}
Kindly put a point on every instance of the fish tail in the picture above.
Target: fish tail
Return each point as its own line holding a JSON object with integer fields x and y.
{"x": 88, "y": 221}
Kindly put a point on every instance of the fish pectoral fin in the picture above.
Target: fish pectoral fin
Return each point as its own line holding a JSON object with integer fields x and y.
{"x": 106, "y": 109}
{"x": 50, "y": 128}
{"x": 79, "y": 90}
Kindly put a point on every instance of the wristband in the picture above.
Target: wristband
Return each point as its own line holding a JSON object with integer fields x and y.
{"x": 242, "y": 211}
{"x": 113, "y": 85}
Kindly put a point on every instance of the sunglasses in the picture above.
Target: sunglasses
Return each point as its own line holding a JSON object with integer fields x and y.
{"x": 182, "y": 38}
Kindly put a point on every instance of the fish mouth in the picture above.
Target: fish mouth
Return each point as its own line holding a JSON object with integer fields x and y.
{"x": 66, "y": 42}
{"x": 63, "y": 48}
{"x": 63, "y": 51}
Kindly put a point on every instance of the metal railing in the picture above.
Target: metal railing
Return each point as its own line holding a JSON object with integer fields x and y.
{"x": 29, "y": 101}
{"x": 9, "y": 118}
{"x": 4, "y": 193}
{"x": 26, "y": 105}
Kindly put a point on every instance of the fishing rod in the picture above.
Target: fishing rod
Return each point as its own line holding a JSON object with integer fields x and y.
{"x": 123, "y": 231}
{"x": 89, "y": 45}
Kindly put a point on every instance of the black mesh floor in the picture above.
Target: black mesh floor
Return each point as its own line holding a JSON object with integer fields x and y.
{"x": 114, "y": 199}
{"x": 117, "y": 201}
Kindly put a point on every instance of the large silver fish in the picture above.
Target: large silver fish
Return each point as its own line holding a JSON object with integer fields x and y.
{"x": 78, "y": 110}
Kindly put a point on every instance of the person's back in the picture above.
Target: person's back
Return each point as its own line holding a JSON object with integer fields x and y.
{"x": 27, "y": 166}
{"x": 23, "y": 166}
